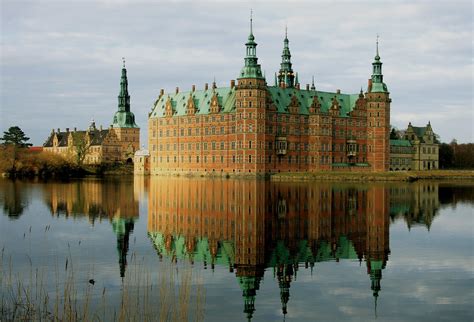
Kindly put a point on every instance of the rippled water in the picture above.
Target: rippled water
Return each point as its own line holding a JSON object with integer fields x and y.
{"x": 257, "y": 250}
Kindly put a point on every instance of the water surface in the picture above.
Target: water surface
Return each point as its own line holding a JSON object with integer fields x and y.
{"x": 260, "y": 250}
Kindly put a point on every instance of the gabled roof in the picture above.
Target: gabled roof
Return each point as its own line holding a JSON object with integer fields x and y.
{"x": 282, "y": 98}
{"x": 97, "y": 137}
{"x": 62, "y": 139}
{"x": 202, "y": 100}
{"x": 419, "y": 130}
{"x": 226, "y": 97}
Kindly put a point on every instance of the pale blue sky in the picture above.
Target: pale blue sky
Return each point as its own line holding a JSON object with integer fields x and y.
{"x": 60, "y": 60}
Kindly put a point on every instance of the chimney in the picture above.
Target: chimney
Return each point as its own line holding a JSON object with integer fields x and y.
{"x": 177, "y": 90}
{"x": 67, "y": 129}
{"x": 206, "y": 86}
{"x": 298, "y": 86}
{"x": 338, "y": 91}
{"x": 162, "y": 92}
{"x": 194, "y": 88}
{"x": 52, "y": 131}
{"x": 59, "y": 130}
{"x": 369, "y": 87}
{"x": 307, "y": 87}
{"x": 100, "y": 127}
{"x": 75, "y": 129}
{"x": 232, "y": 83}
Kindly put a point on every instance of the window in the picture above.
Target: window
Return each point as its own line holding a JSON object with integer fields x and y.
{"x": 250, "y": 158}
{"x": 250, "y": 144}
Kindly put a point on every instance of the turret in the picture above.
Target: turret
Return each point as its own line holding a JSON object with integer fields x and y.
{"x": 251, "y": 68}
{"x": 286, "y": 76}
{"x": 377, "y": 84}
{"x": 124, "y": 117}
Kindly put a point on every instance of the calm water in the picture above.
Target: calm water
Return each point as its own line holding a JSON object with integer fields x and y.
{"x": 260, "y": 250}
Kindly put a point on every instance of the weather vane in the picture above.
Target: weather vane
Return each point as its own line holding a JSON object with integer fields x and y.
{"x": 123, "y": 60}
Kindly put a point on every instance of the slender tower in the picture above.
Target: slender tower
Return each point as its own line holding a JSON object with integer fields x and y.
{"x": 127, "y": 131}
{"x": 378, "y": 118}
{"x": 250, "y": 103}
{"x": 286, "y": 77}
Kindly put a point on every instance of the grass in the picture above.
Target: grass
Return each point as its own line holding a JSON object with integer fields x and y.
{"x": 144, "y": 296}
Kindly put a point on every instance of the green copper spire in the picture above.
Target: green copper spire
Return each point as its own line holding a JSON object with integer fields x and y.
{"x": 285, "y": 75}
{"x": 313, "y": 88}
{"x": 249, "y": 286}
{"x": 122, "y": 229}
{"x": 123, "y": 117}
{"x": 251, "y": 68}
{"x": 377, "y": 78}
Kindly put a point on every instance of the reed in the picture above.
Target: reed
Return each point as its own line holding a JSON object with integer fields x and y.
{"x": 171, "y": 293}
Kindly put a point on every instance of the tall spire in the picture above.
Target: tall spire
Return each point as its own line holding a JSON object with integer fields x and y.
{"x": 124, "y": 98}
{"x": 313, "y": 88}
{"x": 251, "y": 68}
{"x": 124, "y": 117}
{"x": 377, "y": 57}
{"x": 251, "y": 22}
{"x": 377, "y": 78}
{"x": 285, "y": 75}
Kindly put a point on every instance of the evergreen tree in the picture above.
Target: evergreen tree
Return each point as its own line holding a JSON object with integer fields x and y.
{"x": 15, "y": 136}
{"x": 394, "y": 134}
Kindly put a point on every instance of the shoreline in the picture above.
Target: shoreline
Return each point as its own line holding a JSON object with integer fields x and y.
{"x": 401, "y": 176}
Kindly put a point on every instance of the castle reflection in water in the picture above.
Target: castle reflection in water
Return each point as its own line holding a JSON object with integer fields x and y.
{"x": 253, "y": 226}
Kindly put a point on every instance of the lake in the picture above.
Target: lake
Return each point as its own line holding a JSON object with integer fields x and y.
{"x": 181, "y": 249}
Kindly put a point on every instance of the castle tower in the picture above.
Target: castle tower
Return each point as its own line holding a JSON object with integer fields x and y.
{"x": 250, "y": 105}
{"x": 126, "y": 130}
{"x": 286, "y": 77}
{"x": 378, "y": 118}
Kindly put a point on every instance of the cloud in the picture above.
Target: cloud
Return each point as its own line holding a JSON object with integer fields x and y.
{"x": 59, "y": 58}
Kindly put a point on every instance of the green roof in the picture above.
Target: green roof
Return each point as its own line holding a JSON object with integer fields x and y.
{"x": 202, "y": 100}
{"x": 400, "y": 142}
{"x": 419, "y": 131}
{"x": 282, "y": 98}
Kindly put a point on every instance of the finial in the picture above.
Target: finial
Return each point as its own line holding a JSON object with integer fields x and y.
{"x": 286, "y": 31}
{"x": 251, "y": 18}
{"x": 123, "y": 61}
{"x": 377, "y": 45}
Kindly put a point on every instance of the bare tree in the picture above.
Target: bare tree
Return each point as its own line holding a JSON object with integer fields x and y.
{"x": 82, "y": 145}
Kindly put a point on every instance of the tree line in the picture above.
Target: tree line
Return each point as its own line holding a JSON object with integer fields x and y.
{"x": 18, "y": 160}
{"x": 456, "y": 156}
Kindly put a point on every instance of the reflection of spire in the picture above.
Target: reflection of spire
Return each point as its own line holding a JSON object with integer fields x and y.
{"x": 285, "y": 271}
{"x": 122, "y": 228}
{"x": 249, "y": 286}
{"x": 375, "y": 270}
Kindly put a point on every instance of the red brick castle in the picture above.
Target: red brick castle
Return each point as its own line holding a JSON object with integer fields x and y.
{"x": 251, "y": 127}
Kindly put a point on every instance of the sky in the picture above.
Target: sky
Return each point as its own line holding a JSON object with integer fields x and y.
{"x": 61, "y": 61}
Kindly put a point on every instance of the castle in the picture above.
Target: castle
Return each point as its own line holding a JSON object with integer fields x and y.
{"x": 117, "y": 143}
{"x": 251, "y": 127}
